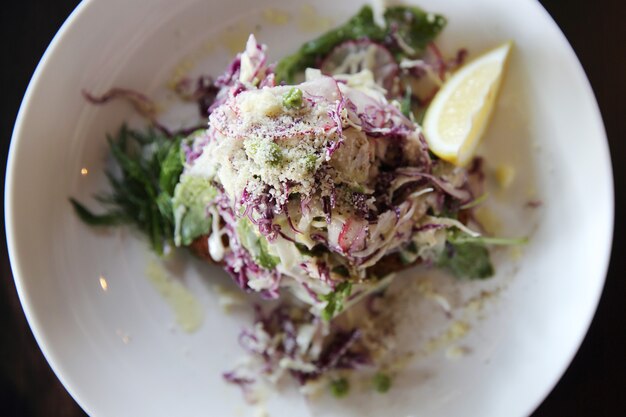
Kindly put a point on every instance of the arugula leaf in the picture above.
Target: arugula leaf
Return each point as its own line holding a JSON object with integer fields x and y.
{"x": 468, "y": 257}
{"x": 466, "y": 260}
{"x": 415, "y": 27}
{"x": 360, "y": 26}
{"x": 256, "y": 244}
{"x": 150, "y": 165}
{"x": 335, "y": 300}
{"x": 264, "y": 258}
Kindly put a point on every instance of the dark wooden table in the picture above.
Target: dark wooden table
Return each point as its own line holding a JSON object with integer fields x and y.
{"x": 593, "y": 384}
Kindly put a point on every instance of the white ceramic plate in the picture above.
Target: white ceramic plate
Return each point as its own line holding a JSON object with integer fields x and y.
{"x": 119, "y": 351}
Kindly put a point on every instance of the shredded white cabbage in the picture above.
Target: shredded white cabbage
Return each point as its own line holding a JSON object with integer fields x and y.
{"x": 444, "y": 221}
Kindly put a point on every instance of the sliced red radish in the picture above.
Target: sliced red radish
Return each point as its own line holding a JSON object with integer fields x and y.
{"x": 321, "y": 87}
{"x": 352, "y": 235}
{"x": 428, "y": 73}
{"x": 435, "y": 58}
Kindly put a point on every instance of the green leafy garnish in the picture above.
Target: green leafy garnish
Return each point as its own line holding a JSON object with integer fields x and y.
{"x": 381, "y": 382}
{"x": 192, "y": 195}
{"x": 339, "y": 387}
{"x": 293, "y": 98}
{"x": 335, "y": 300}
{"x": 359, "y": 26}
{"x": 466, "y": 260}
{"x": 256, "y": 244}
{"x": 150, "y": 165}
{"x": 414, "y": 26}
{"x": 467, "y": 256}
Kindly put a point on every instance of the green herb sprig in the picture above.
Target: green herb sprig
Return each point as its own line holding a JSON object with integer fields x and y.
{"x": 150, "y": 165}
{"x": 335, "y": 300}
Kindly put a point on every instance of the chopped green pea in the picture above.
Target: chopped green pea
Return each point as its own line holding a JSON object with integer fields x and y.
{"x": 274, "y": 155}
{"x": 382, "y": 382}
{"x": 339, "y": 387}
{"x": 263, "y": 152}
{"x": 293, "y": 98}
{"x": 310, "y": 161}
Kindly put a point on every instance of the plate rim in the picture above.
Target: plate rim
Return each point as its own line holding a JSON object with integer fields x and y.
{"x": 34, "y": 318}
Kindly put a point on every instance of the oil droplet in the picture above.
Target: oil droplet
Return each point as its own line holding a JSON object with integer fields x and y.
{"x": 180, "y": 72}
{"x": 455, "y": 332}
{"x": 227, "y": 298}
{"x": 84, "y": 171}
{"x": 505, "y": 174}
{"x": 456, "y": 352}
{"x": 234, "y": 38}
{"x": 187, "y": 309}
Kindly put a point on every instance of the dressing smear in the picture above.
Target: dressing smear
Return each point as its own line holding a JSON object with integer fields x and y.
{"x": 187, "y": 309}
{"x": 276, "y": 16}
{"x": 311, "y": 21}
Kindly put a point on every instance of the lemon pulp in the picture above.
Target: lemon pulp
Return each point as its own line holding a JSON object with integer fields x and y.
{"x": 459, "y": 113}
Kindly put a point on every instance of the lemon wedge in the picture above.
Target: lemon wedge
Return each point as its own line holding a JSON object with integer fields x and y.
{"x": 460, "y": 111}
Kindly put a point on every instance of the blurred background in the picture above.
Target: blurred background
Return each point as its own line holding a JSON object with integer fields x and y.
{"x": 592, "y": 386}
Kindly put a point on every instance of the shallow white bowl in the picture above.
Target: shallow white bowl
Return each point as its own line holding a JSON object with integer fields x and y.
{"x": 118, "y": 351}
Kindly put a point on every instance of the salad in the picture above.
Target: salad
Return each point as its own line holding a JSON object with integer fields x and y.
{"x": 311, "y": 182}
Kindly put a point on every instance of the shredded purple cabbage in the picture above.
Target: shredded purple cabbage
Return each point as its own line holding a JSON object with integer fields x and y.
{"x": 275, "y": 337}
